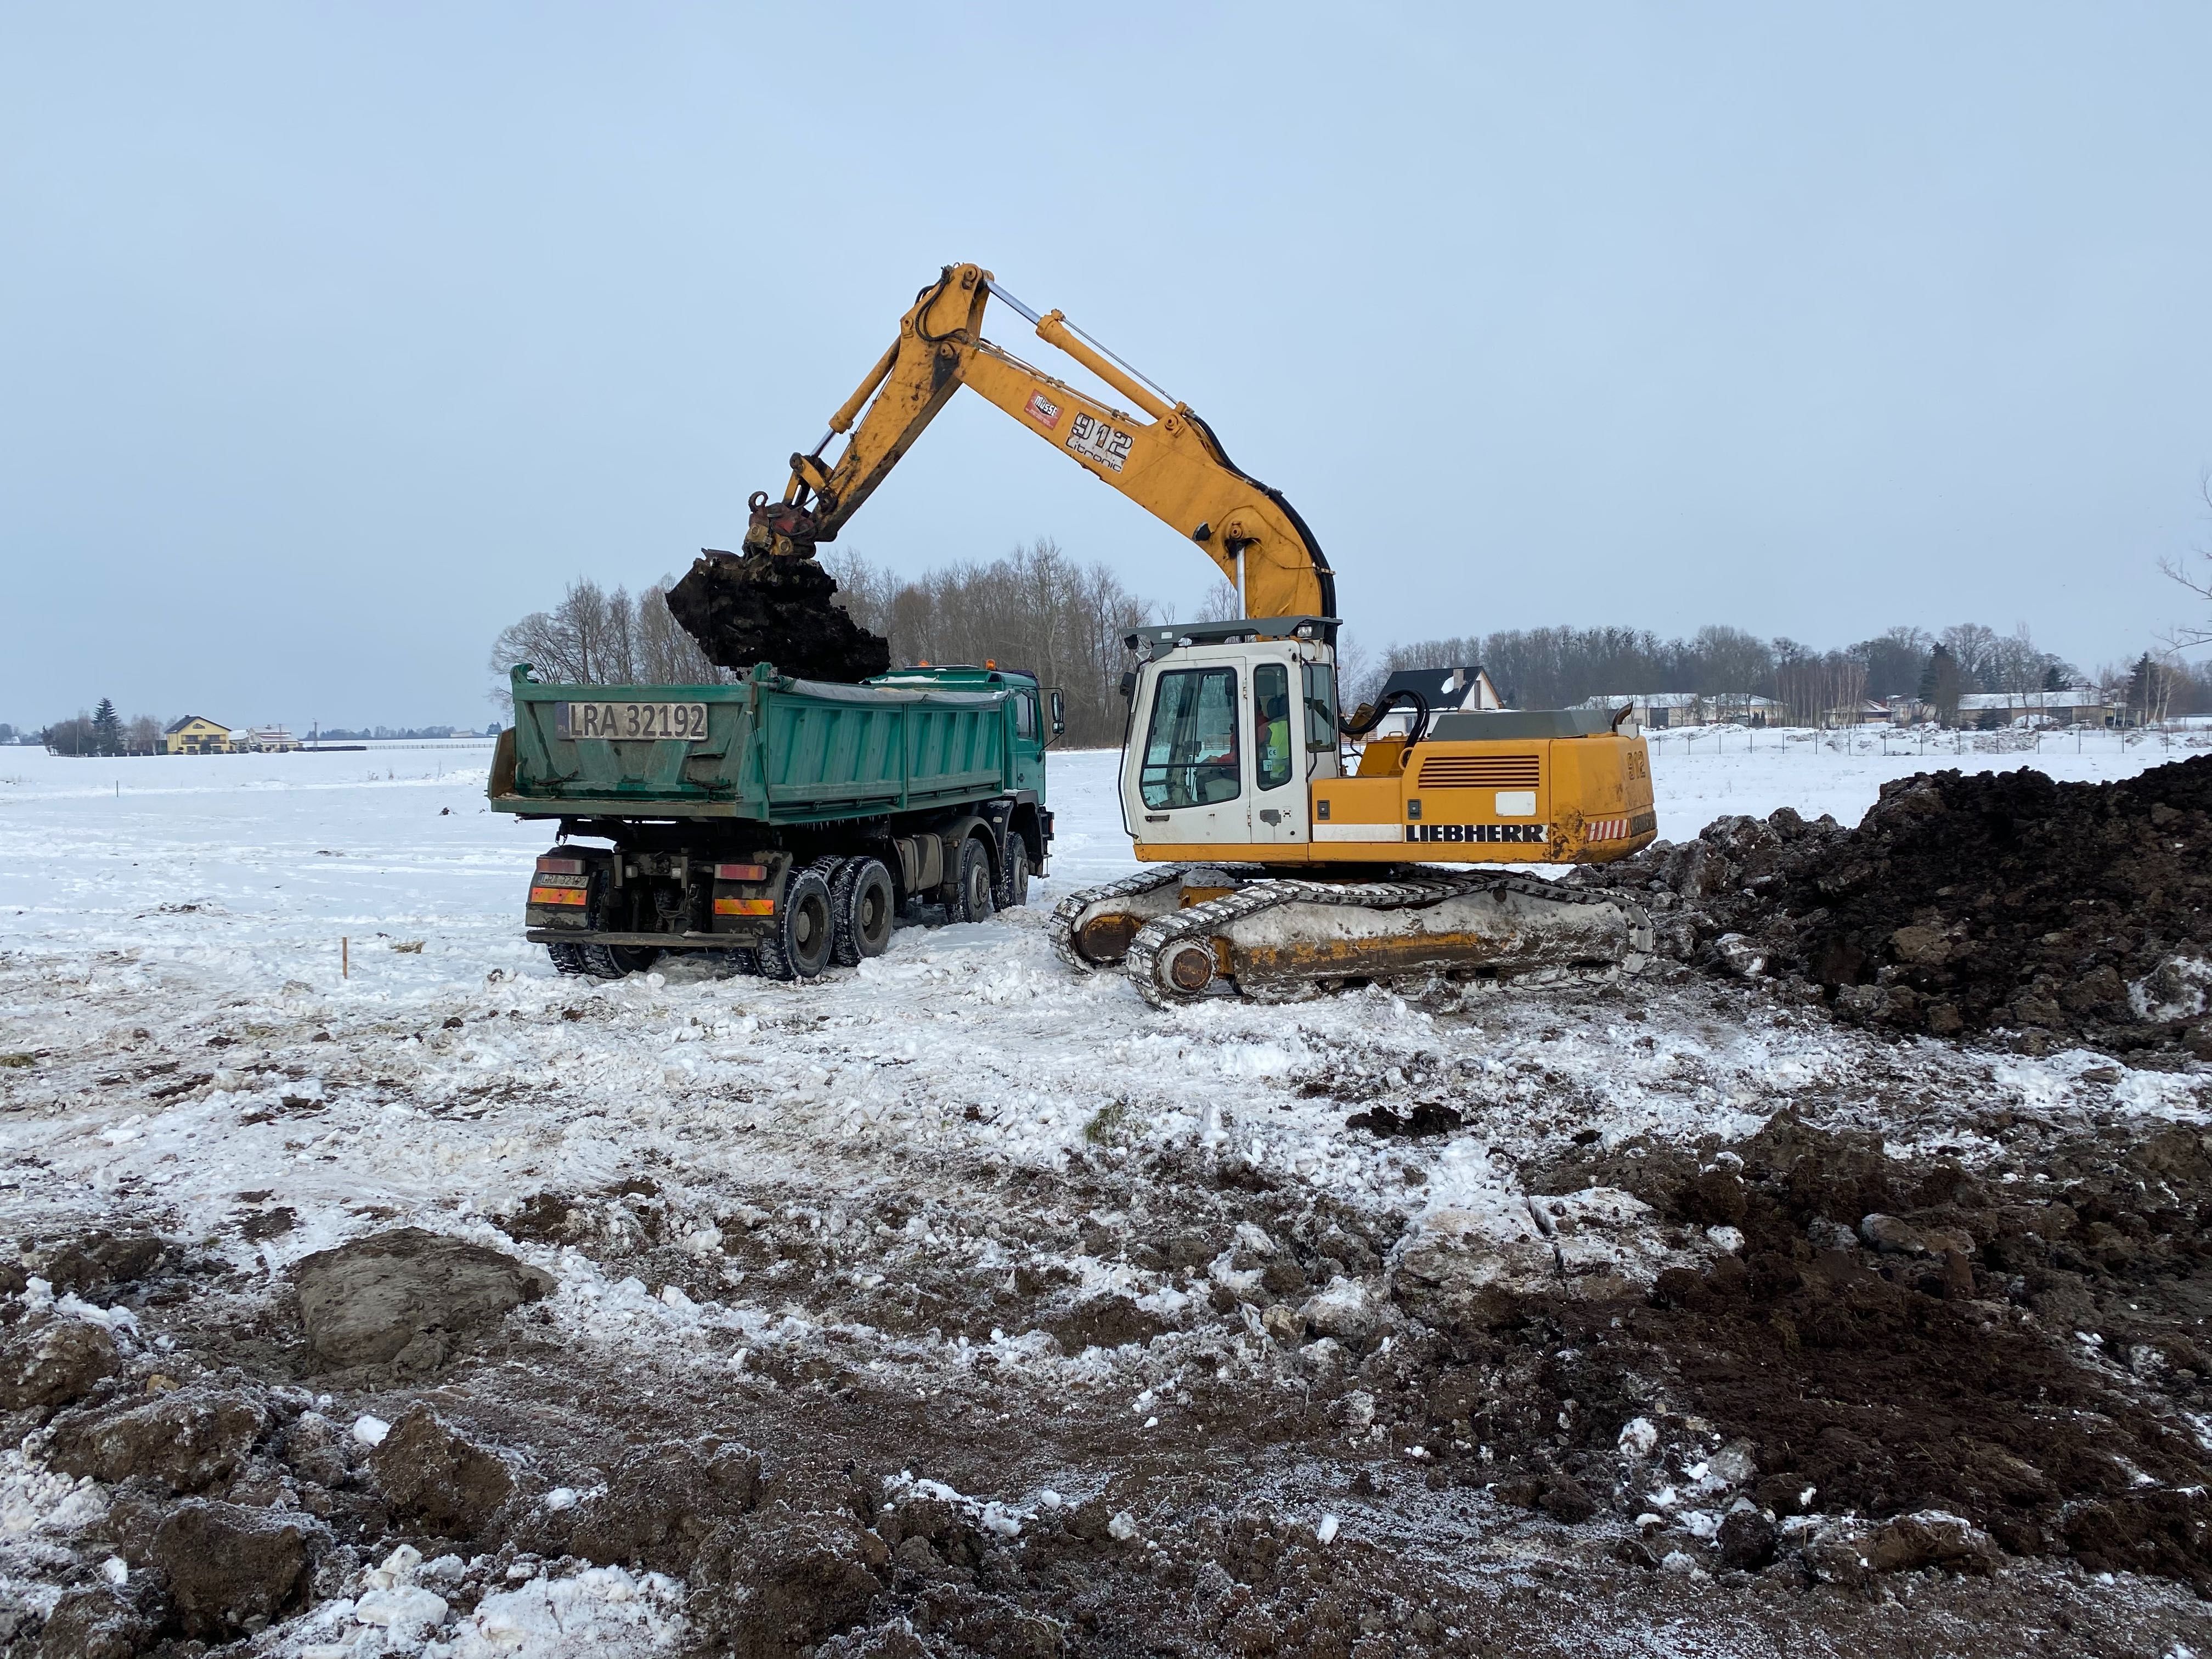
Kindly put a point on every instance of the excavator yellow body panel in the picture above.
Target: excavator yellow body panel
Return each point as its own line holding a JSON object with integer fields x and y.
{"x": 1557, "y": 800}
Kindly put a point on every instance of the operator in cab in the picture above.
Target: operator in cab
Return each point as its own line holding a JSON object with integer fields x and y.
{"x": 1270, "y": 719}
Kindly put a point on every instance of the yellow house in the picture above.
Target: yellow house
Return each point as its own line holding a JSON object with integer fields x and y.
{"x": 195, "y": 734}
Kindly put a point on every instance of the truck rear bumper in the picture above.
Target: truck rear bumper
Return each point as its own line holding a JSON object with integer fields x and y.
{"x": 664, "y": 941}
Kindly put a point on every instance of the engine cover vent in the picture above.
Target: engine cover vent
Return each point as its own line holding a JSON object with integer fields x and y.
{"x": 1480, "y": 772}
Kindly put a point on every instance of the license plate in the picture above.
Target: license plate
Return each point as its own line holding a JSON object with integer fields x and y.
{"x": 632, "y": 722}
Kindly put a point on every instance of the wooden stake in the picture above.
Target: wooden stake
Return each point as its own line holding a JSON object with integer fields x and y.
{"x": 345, "y": 957}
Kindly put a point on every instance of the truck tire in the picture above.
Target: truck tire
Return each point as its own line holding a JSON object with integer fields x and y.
{"x": 972, "y": 891}
{"x": 568, "y": 959}
{"x": 864, "y": 905}
{"x": 1013, "y": 890}
{"x": 804, "y": 935}
{"x": 616, "y": 961}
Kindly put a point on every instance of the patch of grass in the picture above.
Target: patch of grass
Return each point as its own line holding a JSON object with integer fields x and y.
{"x": 408, "y": 947}
{"x": 19, "y": 1059}
{"x": 1106, "y": 1125}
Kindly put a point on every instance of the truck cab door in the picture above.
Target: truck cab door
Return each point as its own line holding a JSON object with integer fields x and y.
{"x": 1029, "y": 741}
{"x": 1275, "y": 723}
{"x": 1185, "y": 778}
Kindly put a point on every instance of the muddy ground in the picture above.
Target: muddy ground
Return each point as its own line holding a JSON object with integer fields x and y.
{"x": 1791, "y": 1389}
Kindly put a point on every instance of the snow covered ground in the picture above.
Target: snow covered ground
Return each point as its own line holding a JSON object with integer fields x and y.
{"x": 192, "y": 1043}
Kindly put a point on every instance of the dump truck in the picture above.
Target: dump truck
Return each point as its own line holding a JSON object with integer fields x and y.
{"x": 787, "y": 822}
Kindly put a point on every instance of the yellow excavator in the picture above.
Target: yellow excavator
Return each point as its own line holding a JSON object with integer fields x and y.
{"x": 1279, "y": 868}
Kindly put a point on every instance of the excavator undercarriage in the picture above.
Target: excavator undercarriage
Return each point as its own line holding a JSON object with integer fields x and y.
{"x": 1184, "y": 932}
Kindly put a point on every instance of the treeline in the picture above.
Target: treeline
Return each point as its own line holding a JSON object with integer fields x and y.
{"x": 1039, "y": 610}
{"x": 1036, "y": 609}
{"x": 1558, "y": 667}
{"x": 387, "y": 733}
{"x": 601, "y": 636}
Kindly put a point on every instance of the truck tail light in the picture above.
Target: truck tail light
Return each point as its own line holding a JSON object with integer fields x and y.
{"x": 741, "y": 872}
{"x": 556, "y": 866}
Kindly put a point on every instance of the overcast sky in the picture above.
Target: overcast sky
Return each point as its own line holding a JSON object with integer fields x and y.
{"x": 333, "y": 337}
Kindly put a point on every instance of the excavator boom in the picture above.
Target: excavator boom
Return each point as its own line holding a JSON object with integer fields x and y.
{"x": 1166, "y": 460}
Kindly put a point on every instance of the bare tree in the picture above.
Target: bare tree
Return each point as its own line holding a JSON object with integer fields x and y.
{"x": 1220, "y": 605}
{"x": 1035, "y": 609}
{"x": 2187, "y": 636}
{"x": 598, "y": 637}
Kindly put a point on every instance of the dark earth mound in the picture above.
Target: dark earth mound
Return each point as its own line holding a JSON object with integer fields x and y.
{"x": 1897, "y": 1336}
{"x": 1965, "y": 902}
{"x": 754, "y": 607}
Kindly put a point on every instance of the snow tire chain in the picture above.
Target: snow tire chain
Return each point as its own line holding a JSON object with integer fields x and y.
{"x": 1066, "y": 912}
{"x": 1156, "y": 936}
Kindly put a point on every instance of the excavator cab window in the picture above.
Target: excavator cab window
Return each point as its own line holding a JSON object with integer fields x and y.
{"x": 1190, "y": 749}
{"x": 1320, "y": 708}
{"x": 1271, "y": 725}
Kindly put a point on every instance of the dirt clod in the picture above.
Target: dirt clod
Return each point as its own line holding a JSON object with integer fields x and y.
{"x": 98, "y": 1260}
{"x": 95, "y": 1624}
{"x": 1106, "y": 1321}
{"x": 407, "y": 1297}
{"x": 437, "y": 1478}
{"x": 659, "y": 1507}
{"x": 188, "y": 1441}
{"x": 1747, "y": 1540}
{"x": 752, "y": 608}
{"x": 784, "y": 1579}
{"x": 54, "y": 1363}
{"x": 229, "y": 1566}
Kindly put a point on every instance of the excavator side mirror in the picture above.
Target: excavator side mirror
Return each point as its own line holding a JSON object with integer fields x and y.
{"x": 1129, "y": 684}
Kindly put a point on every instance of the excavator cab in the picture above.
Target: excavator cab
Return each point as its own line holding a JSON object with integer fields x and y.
{"x": 1230, "y": 724}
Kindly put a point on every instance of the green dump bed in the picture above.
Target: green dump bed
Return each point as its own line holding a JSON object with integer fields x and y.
{"x": 775, "y": 750}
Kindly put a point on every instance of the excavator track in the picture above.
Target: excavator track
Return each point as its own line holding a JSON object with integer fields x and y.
{"x": 1071, "y": 914}
{"x": 1273, "y": 938}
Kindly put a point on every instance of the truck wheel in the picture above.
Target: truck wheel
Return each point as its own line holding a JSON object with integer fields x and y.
{"x": 804, "y": 935}
{"x": 615, "y": 961}
{"x": 1013, "y": 890}
{"x": 862, "y": 901}
{"x": 972, "y": 895}
{"x": 568, "y": 959}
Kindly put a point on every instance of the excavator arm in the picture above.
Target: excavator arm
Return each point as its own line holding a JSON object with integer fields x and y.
{"x": 1167, "y": 459}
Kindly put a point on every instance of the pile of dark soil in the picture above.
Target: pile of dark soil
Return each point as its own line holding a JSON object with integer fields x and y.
{"x": 754, "y": 607}
{"x": 1894, "y": 1337}
{"x": 1965, "y": 902}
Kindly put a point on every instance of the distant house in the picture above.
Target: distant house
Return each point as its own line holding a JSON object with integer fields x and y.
{"x": 1446, "y": 690}
{"x": 1865, "y": 711}
{"x": 194, "y": 734}
{"x": 264, "y": 740}
{"x": 2073, "y": 705}
{"x": 1655, "y": 711}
